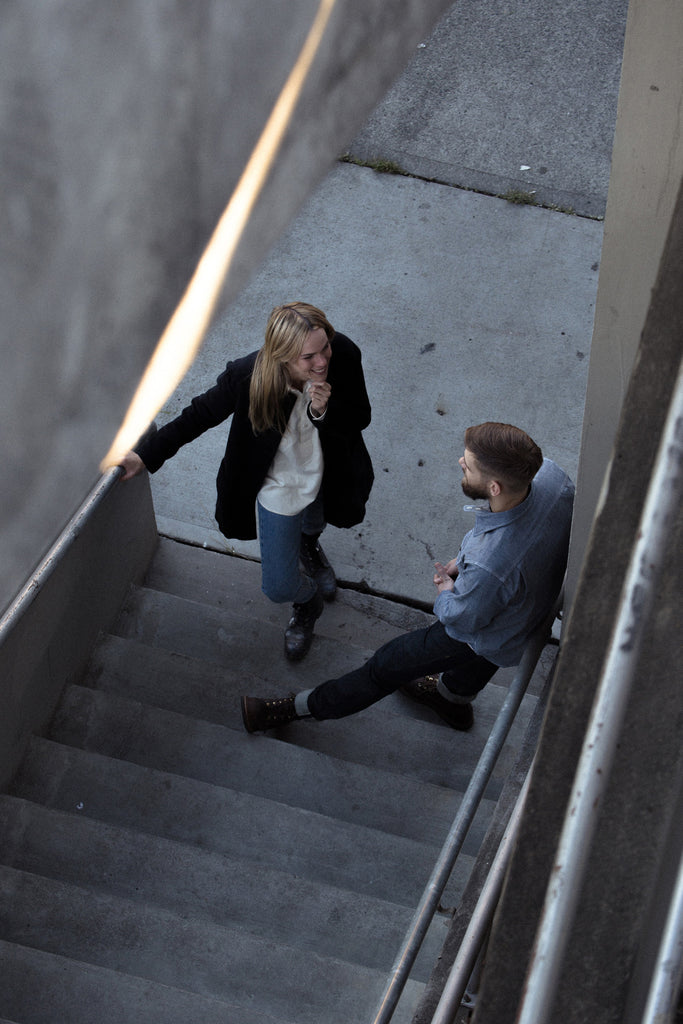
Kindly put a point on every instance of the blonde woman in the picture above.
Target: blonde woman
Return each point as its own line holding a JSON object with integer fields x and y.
{"x": 295, "y": 459}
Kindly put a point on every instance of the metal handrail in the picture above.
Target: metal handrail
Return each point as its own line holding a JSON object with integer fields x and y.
{"x": 665, "y": 986}
{"x": 480, "y": 922}
{"x": 57, "y": 552}
{"x": 647, "y": 560}
{"x": 452, "y": 846}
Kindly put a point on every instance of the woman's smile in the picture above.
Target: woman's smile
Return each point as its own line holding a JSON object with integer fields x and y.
{"x": 314, "y": 361}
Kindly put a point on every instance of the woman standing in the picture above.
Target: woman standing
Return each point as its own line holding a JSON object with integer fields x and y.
{"x": 295, "y": 459}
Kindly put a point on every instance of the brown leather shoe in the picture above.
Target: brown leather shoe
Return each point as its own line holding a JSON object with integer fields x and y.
{"x": 424, "y": 691}
{"x": 259, "y": 715}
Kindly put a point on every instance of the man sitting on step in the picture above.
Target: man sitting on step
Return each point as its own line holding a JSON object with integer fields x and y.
{"x": 491, "y": 597}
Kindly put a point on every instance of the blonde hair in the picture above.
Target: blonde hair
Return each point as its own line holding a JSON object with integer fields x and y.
{"x": 286, "y": 332}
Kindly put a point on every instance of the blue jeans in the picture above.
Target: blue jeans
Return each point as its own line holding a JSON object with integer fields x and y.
{"x": 282, "y": 579}
{"x": 418, "y": 653}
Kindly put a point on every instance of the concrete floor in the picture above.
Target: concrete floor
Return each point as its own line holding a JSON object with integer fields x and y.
{"x": 467, "y": 307}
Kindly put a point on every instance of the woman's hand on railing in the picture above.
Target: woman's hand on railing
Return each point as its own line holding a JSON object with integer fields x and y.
{"x": 132, "y": 465}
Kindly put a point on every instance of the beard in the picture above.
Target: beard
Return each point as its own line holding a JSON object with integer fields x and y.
{"x": 474, "y": 492}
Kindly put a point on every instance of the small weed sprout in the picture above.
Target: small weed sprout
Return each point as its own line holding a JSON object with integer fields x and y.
{"x": 520, "y": 197}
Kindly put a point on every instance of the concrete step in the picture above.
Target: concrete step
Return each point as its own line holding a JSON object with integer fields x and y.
{"x": 225, "y": 581}
{"x": 242, "y": 648}
{"x": 44, "y": 988}
{"x": 230, "y": 582}
{"x": 253, "y": 829}
{"x": 158, "y": 863}
{"x": 197, "y": 956}
{"x": 221, "y": 890}
{"x": 393, "y": 799}
{"x": 399, "y": 735}
{"x": 229, "y": 638}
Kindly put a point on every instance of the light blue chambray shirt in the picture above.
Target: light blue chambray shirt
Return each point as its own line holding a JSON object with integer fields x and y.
{"x": 510, "y": 570}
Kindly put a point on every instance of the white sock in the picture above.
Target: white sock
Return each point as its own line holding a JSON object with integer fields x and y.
{"x": 454, "y": 698}
{"x": 301, "y": 704}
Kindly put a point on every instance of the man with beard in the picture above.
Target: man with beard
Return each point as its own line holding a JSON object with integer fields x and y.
{"x": 491, "y": 596}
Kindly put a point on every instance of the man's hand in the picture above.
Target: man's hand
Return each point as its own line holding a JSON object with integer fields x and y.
{"x": 444, "y": 575}
{"x": 452, "y": 568}
{"x": 132, "y": 465}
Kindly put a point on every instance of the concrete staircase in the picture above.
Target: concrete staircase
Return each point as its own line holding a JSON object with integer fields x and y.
{"x": 158, "y": 864}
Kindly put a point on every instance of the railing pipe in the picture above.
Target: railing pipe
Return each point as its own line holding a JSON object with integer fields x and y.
{"x": 57, "y": 552}
{"x": 468, "y": 808}
{"x": 469, "y": 997}
{"x": 481, "y": 919}
{"x": 666, "y": 977}
{"x": 602, "y": 736}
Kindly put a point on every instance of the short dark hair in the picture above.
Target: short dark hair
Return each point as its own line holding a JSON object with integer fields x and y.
{"x": 505, "y": 452}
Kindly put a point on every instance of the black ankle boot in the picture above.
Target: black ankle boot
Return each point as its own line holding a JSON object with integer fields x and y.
{"x": 299, "y": 632}
{"x": 315, "y": 564}
{"x": 259, "y": 715}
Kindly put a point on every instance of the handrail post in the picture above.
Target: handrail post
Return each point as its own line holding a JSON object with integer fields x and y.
{"x": 480, "y": 922}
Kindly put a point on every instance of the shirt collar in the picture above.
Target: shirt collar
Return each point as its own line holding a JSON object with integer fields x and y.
{"x": 488, "y": 520}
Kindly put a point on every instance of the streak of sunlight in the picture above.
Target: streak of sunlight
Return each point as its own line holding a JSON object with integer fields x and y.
{"x": 185, "y": 331}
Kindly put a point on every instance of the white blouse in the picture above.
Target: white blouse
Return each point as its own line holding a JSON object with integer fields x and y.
{"x": 296, "y": 472}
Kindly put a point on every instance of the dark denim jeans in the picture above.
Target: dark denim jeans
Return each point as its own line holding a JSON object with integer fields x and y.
{"x": 418, "y": 653}
{"x": 282, "y": 579}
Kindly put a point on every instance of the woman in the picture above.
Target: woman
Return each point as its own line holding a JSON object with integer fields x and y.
{"x": 295, "y": 458}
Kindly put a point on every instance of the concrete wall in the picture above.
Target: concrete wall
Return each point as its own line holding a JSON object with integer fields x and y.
{"x": 635, "y": 361}
{"x": 46, "y": 637}
{"x": 124, "y": 130}
{"x": 627, "y": 880}
{"x": 647, "y": 168}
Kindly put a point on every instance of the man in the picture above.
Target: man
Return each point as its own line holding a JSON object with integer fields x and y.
{"x": 492, "y": 596}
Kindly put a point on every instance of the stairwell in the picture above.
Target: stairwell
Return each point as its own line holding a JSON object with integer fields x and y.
{"x": 159, "y": 864}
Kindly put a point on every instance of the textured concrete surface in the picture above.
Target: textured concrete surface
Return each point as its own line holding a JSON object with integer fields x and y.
{"x": 467, "y": 307}
{"x": 507, "y": 96}
{"x": 629, "y": 874}
{"x": 127, "y": 134}
{"x": 148, "y": 834}
{"x": 124, "y": 132}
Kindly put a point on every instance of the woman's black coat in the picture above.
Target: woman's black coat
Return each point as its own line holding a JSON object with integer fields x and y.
{"x": 347, "y": 475}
